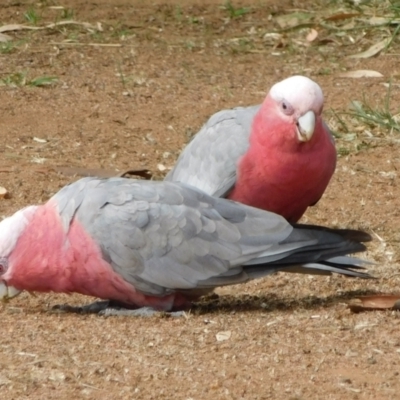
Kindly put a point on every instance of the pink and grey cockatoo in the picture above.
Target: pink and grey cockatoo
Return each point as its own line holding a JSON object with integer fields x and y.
{"x": 279, "y": 156}
{"x": 158, "y": 244}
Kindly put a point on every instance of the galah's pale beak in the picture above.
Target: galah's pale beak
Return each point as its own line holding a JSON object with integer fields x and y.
{"x": 7, "y": 292}
{"x": 306, "y": 126}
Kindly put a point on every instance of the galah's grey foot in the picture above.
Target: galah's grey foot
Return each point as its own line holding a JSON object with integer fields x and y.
{"x": 139, "y": 312}
{"x": 110, "y": 308}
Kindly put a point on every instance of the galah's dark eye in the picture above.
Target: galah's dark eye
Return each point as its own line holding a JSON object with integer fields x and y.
{"x": 287, "y": 108}
{"x": 3, "y": 265}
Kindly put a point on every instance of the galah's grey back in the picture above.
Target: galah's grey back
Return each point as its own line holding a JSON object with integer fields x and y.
{"x": 209, "y": 161}
{"x": 165, "y": 236}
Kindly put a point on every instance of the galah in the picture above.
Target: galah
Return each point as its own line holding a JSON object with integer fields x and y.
{"x": 279, "y": 156}
{"x": 158, "y": 244}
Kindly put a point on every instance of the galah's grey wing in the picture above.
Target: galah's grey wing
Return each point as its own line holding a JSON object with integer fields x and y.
{"x": 210, "y": 160}
{"x": 164, "y": 236}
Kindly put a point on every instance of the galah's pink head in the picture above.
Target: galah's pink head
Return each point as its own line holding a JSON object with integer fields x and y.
{"x": 293, "y": 107}
{"x": 10, "y": 230}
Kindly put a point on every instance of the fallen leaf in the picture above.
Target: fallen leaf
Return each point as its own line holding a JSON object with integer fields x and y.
{"x": 223, "y": 335}
{"x": 361, "y": 73}
{"x": 375, "y": 302}
{"x": 312, "y": 35}
{"x": 4, "y": 193}
{"x": 373, "y": 50}
{"x": 341, "y": 16}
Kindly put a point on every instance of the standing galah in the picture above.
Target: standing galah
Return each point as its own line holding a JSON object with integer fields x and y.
{"x": 158, "y": 244}
{"x": 278, "y": 156}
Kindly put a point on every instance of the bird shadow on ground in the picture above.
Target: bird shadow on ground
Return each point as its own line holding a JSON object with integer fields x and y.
{"x": 243, "y": 303}
{"x": 215, "y": 303}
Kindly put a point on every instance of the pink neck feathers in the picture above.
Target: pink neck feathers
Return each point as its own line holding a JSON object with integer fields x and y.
{"x": 48, "y": 259}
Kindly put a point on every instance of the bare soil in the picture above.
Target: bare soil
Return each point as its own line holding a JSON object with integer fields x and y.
{"x": 131, "y": 95}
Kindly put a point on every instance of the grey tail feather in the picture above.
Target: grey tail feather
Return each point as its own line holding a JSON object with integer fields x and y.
{"x": 320, "y": 253}
{"x": 327, "y": 268}
{"x": 350, "y": 261}
{"x": 348, "y": 234}
{"x": 317, "y": 268}
{"x": 329, "y": 255}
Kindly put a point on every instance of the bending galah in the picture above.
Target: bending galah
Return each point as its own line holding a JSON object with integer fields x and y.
{"x": 158, "y": 244}
{"x": 279, "y": 156}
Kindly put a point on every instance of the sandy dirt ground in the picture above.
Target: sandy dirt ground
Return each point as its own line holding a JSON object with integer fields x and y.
{"x": 134, "y": 83}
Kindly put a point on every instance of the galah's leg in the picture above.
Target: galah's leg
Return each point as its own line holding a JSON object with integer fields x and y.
{"x": 112, "y": 308}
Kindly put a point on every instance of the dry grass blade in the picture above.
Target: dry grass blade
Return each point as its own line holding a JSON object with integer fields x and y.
{"x": 19, "y": 27}
{"x": 66, "y": 42}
